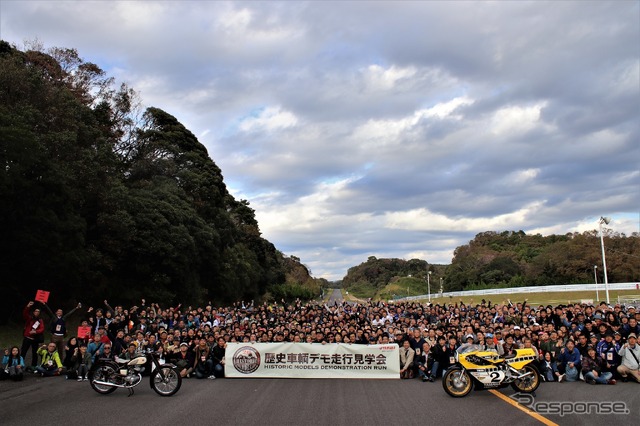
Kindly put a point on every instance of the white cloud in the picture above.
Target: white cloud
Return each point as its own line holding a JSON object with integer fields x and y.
{"x": 516, "y": 119}
{"x": 379, "y": 78}
{"x": 388, "y": 131}
{"x": 425, "y": 220}
{"x": 521, "y": 177}
{"x": 270, "y": 119}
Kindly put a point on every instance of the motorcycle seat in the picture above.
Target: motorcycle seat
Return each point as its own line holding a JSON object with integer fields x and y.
{"x": 510, "y": 356}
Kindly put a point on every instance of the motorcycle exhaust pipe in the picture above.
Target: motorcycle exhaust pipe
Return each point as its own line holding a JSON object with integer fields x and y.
{"x": 101, "y": 383}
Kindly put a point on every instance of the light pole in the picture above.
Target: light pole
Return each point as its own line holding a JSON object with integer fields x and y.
{"x": 441, "y": 289}
{"x": 595, "y": 276}
{"x": 606, "y": 221}
{"x": 429, "y": 285}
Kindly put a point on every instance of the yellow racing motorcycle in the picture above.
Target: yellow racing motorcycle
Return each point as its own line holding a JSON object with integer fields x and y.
{"x": 482, "y": 369}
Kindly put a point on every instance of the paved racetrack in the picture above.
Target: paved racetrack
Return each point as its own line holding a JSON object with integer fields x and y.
{"x": 292, "y": 402}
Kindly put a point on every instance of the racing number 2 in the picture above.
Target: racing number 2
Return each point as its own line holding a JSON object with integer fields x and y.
{"x": 495, "y": 377}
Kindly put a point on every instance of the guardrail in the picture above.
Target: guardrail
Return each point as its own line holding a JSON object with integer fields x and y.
{"x": 529, "y": 289}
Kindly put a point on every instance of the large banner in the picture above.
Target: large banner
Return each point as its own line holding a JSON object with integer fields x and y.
{"x": 312, "y": 360}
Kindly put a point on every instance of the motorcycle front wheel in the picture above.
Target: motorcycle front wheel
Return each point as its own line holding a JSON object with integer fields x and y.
{"x": 166, "y": 381}
{"x": 457, "y": 382}
{"x": 102, "y": 373}
{"x": 527, "y": 384}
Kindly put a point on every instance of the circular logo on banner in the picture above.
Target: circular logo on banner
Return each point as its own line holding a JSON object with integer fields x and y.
{"x": 246, "y": 360}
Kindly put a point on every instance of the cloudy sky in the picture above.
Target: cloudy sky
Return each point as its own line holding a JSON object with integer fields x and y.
{"x": 393, "y": 129}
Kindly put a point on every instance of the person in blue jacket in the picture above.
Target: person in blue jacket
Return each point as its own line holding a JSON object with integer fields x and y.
{"x": 569, "y": 363}
{"x": 12, "y": 364}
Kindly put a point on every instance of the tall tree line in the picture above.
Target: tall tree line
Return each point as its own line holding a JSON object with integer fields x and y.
{"x": 100, "y": 200}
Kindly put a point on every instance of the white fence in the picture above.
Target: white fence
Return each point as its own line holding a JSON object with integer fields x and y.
{"x": 530, "y": 289}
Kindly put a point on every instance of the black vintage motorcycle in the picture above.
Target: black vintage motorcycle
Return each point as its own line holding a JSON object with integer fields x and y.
{"x": 107, "y": 375}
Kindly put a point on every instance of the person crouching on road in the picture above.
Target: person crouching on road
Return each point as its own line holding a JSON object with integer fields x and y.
{"x": 569, "y": 363}
{"x": 593, "y": 369}
{"x": 406, "y": 360}
{"x": 203, "y": 363}
{"x": 12, "y": 365}
{"x": 183, "y": 360}
{"x": 217, "y": 354}
{"x": 424, "y": 360}
{"x": 81, "y": 363}
{"x": 50, "y": 364}
{"x": 630, "y": 353}
{"x": 549, "y": 368}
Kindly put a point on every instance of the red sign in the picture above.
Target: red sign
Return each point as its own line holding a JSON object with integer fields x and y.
{"x": 84, "y": 332}
{"x": 42, "y": 296}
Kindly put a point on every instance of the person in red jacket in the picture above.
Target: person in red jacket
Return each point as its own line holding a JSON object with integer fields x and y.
{"x": 33, "y": 334}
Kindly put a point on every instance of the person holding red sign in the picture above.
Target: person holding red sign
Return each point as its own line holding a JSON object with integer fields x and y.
{"x": 33, "y": 334}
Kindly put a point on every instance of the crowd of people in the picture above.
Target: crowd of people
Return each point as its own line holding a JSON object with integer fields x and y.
{"x": 596, "y": 344}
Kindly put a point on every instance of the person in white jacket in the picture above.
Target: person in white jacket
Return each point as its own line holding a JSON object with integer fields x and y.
{"x": 630, "y": 354}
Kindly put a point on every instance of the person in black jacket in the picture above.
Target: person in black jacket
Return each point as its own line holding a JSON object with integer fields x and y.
{"x": 71, "y": 349}
{"x": 217, "y": 354}
{"x": 183, "y": 359}
{"x": 424, "y": 362}
{"x": 58, "y": 326}
{"x": 440, "y": 358}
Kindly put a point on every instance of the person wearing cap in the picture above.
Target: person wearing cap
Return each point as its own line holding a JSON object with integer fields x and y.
{"x": 183, "y": 360}
{"x": 607, "y": 349}
{"x": 490, "y": 344}
{"x": 630, "y": 354}
{"x": 594, "y": 369}
{"x": 593, "y": 340}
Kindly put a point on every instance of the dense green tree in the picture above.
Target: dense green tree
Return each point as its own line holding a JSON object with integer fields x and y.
{"x": 514, "y": 259}
{"x": 98, "y": 199}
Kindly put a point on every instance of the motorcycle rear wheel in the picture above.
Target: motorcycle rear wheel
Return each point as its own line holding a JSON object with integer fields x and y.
{"x": 457, "y": 382}
{"x": 102, "y": 373}
{"x": 166, "y": 381}
{"x": 528, "y": 384}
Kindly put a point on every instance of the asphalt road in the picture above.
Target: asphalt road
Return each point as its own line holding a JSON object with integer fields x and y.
{"x": 336, "y": 296}
{"x": 293, "y": 402}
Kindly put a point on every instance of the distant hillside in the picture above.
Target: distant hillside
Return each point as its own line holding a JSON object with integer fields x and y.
{"x": 298, "y": 281}
{"x": 503, "y": 259}
{"x": 386, "y": 278}
{"x": 514, "y": 259}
